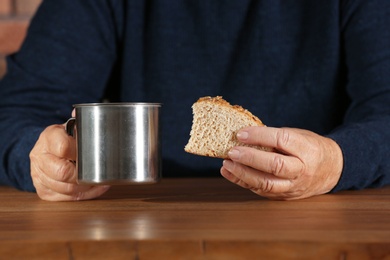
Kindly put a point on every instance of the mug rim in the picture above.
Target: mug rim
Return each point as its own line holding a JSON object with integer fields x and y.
{"x": 118, "y": 104}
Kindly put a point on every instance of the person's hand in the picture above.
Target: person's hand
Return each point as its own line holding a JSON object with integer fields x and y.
{"x": 53, "y": 169}
{"x": 302, "y": 165}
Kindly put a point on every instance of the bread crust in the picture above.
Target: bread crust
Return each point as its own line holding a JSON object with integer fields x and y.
{"x": 214, "y": 138}
{"x": 222, "y": 102}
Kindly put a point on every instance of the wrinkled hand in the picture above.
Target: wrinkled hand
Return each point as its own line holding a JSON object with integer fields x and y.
{"x": 53, "y": 170}
{"x": 303, "y": 164}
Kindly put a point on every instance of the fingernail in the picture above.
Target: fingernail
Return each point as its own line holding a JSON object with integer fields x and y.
{"x": 228, "y": 165}
{"x": 242, "y": 135}
{"x": 234, "y": 154}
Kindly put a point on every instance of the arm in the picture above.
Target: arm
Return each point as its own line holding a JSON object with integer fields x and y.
{"x": 353, "y": 156}
{"x": 66, "y": 58}
{"x": 365, "y": 135}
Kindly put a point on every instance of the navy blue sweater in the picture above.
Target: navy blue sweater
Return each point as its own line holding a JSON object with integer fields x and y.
{"x": 321, "y": 65}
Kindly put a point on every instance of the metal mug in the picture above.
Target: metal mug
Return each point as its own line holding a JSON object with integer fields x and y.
{"x": 117, "y": 143}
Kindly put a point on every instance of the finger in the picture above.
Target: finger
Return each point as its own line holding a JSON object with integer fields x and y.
{"x": 279, "y": 165}
{"x": 285, "y": 140}
{"x": 64, "y": 182}
{"x": 47, "y": 183}
{"x": 289, "y": 195}
{"x": 93, "y": 192}
{"x": 50, "y": 189}
{"x": 87, "y": 193}
{"x": 59, "y": 143}
{"x": 232, "y": 178}
{"x": 57, "y": 169}
{"x": 67, "y": 188}
{"x": 47, "y": 193}
{"x": 266, "y": 183}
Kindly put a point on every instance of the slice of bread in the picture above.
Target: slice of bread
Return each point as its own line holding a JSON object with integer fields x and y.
{"x": 215, "y": 125}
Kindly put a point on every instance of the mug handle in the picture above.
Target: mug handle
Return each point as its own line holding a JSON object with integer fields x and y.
{"x": 69, "y": 126}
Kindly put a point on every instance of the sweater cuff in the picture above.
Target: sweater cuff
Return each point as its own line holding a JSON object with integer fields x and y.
{"x": 360, "y": 155}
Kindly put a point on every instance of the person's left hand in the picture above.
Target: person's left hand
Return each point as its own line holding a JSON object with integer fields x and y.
{"x": 303, "y": 164}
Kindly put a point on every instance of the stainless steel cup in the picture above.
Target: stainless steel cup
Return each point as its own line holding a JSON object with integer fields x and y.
{"x": 117, "y": 143}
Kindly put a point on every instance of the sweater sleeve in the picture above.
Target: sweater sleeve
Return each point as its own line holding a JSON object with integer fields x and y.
{"x": 66, "y": 58}
{"x": 365, "y": 136}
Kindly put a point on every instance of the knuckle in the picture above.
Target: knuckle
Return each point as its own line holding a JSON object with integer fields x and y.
{"x": 63, "y": 146}
{"x": 36, "y": 153}
{"x": 278, "y": 166}
{"x": 64, "y": 172}
{"x": 268, "y": 186}
{"x": 249, "y": 157}
{"x": 265, "y": 185}
{"x": 32, "y": 155}
{"x": 282, "y": 139}
{"x": 302, "y": 170}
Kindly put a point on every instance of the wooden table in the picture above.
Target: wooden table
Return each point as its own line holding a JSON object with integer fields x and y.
{"x": 195, "y": 219}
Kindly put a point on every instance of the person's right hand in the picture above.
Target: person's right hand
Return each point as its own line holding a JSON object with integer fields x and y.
{"x": 53, "y": 170}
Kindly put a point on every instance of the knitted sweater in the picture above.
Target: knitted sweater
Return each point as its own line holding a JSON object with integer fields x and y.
{"x": 319, "y": 65}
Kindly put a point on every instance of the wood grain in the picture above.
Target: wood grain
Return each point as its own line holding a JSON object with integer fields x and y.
{"x": 196, "y": 219}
